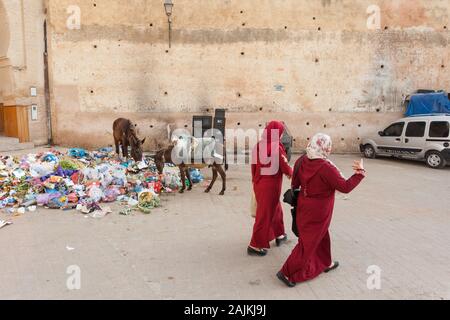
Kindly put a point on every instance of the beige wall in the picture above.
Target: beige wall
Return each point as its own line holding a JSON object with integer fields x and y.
{"x": 22, "y": 67}
{"x": 303, "y": 62}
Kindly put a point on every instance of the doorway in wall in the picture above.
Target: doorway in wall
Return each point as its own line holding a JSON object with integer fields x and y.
{"x": 13, "y": 117}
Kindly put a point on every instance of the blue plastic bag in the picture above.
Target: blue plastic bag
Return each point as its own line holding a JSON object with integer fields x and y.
{"x": 196, "y": 176}
{"x": 77, "y": 153}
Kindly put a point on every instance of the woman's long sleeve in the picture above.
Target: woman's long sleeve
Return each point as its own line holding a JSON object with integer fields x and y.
{"x": 338, "y": 182}
{"x": 284, "y": 165}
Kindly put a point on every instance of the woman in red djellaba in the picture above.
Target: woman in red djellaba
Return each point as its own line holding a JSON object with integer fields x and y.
{"x": 319, "y": 179}
{"x": 269, "y": 163}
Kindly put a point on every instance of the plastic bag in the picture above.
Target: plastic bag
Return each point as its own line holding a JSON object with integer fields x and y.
{"x": 196, "y": 176}
{"x": 95, "y": 193}
{"x": 77, "y": 153}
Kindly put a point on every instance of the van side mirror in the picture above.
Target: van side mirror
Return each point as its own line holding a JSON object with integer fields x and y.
{"x": 381, "y": 133}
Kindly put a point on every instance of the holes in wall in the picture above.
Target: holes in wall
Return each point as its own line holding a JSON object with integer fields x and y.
{"x": 242, "y": 11}
{"x": 307, "y": 123}
{"x": 317, "y": 60}
{"x": 166, "y": 93}
{"x": 319, "y": 28}
{"x": 185, "y": 125}
{"x": 342, "y": 139}
{"x": 378, "y": 110}
{"x": 151, "y": 126}
{"x": 260, "y": 109}
{"x": 308, "y": 139}
{"x": 316, "y": 95}
{"x": 238, "y": 123}
{"x": 324, "y": 125}
{"x": 343, "y": 125}
{"x": 285, "y": 27}
{"x": 151, "y": 24}
{"x": 238, "y": 94}
{"x": 382, "y": 66}
{"x": 260, "y": 125}
{"x": 95, "y": 46}
{"x": 330, "y": 109}
{"x": 386, "y": 28}
{"x": 95, "y": 4}
{"x": 359, "y": 125}
{"x": 445, "y": 27}
{"x": 314, "y": 18}
{"x": 92, "y": 91}
{"x": 442, "y": 66}
{"x": 167, "y": 51}
{"x": 242, "y": 53}
{"x": 243, "y": 24}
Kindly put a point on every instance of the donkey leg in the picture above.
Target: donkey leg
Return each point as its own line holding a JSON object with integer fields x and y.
{"x": 214, "y": 171}
{"x": 183, "y": 178}
{"x": 188, "y": 176}
{"x": 125, "y": 150}
{"x": 223, "y": 176}
{"x": 116, "y": 142}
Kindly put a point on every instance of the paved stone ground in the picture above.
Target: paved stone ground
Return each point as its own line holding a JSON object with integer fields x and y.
{"x": 194, "y": 247}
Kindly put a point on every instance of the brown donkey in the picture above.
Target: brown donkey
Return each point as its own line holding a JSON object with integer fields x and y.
{"x": 125, "y": 135}
{"x": 165, "y": 156}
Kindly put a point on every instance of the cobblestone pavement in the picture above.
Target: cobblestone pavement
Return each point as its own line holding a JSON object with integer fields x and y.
{"x": 194, "y": 247}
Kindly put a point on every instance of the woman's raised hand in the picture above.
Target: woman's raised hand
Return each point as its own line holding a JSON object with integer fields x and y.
{"x": 358, "y": 167}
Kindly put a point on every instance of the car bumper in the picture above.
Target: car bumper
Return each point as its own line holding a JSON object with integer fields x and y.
{"x": 446, "y": 154}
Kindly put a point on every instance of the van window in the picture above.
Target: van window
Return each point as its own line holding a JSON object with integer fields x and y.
{"x": 439, "y": 129}
{"x": 415, "y": 129}
{"x": 394, "y": 130}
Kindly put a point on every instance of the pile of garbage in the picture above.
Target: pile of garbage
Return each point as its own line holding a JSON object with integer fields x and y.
{"x": 84, "y": 181}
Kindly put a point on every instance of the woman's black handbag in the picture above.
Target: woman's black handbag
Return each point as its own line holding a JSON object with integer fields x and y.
{"x": 290, "y": 197}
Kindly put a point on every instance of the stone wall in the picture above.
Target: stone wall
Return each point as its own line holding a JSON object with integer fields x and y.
{"x": 313, "y": 64}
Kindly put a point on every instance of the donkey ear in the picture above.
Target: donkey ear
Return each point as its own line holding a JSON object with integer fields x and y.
{"x": 143, "y": 141}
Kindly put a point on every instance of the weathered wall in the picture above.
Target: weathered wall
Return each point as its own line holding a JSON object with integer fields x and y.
{"x": 313, "y": 64}
{"x": 21, "y": 60}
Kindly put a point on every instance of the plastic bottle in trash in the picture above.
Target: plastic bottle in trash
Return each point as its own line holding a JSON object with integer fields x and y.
{"x": 95, "y": 193}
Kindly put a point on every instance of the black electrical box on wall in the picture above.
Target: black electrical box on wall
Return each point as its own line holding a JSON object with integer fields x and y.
{"x": 201, "y": 124}
{"x": 220, "y": 121}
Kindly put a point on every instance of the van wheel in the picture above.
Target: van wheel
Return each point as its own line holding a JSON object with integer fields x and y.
{"x": 369, "y": 151}
{"x": 435, "y": 160}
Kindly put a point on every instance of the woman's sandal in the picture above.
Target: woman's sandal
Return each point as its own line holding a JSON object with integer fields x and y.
{"x": 254, "y": 252}
{"x": 279, "y": 242}
{"x": 285, "y": 280}
{"x": 334, "y": 266}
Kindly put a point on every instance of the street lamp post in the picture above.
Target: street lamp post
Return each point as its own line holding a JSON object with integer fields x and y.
{"x": 168, "y": 6}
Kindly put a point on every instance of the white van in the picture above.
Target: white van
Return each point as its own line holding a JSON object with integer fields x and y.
{"x": 416, "y": 137}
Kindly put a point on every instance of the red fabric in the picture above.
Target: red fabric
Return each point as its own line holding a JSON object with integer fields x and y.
{"x": 264, "y": 149}
{"x": 319, "y": 180}
{"x": 269, "y": 213}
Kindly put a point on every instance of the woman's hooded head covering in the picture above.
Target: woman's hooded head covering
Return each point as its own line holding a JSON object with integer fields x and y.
{"x": 319, "y": 147}
{"x": 272, "y": 134}
{"x": 269, "y": 146}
